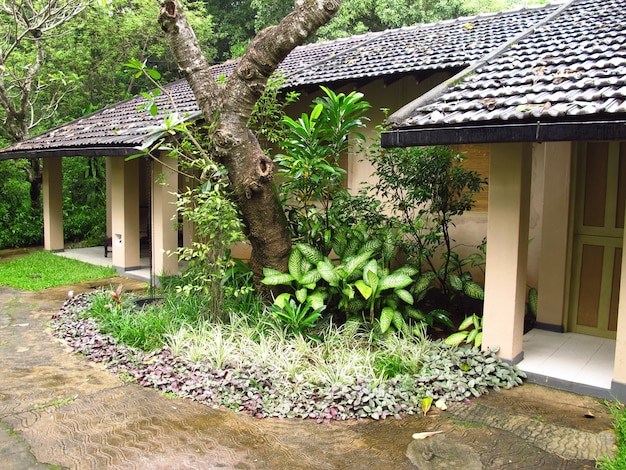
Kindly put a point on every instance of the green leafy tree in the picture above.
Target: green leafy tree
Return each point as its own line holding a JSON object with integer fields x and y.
{"x": 216, "y": 229}
{"x": 241, "y": 20}
{"x": 109, "y": 34}
{"x": 84, "y": 200}
{"x": 19, "y": 224}
{"x": 28, "y": 96}
{"x": 60, "y": 60}
{"x": 227, "y": 108}
{"x": 235, "y": 28}
{"x": 360, "y": 16}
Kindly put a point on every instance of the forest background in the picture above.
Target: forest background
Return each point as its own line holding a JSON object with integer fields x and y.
{"x": 77, "y": 66}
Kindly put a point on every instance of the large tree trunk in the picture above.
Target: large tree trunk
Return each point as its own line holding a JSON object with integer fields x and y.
{"x": 228, "y": 108}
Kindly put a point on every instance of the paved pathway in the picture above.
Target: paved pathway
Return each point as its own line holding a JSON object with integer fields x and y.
{"x": 59, "y": 411}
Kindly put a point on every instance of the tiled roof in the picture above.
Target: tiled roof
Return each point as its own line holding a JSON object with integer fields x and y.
{"x": 444, "y": 45}
{"x": 571, "y": 67}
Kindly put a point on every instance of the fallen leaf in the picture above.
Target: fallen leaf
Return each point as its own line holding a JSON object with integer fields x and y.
{"x": 424, "y": 435}
{"x": 426, "y": 404}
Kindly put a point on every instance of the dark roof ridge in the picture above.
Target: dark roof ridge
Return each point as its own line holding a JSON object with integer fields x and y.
{"x": 436, "y": 92}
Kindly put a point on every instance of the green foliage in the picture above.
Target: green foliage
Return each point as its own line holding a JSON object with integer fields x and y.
{"x": 216, "y": 227}
{"x": 358, "y": 284}
{"x": 295, "y": 317}
{"x": 302, "y": 277}
{"x": 373, "y": 287}
{"x": 151, "y": 325}
{"x": 41, "y": 269}
{"x": 239, "y": 21}
{"x": 426, "y": 187}
{"x": 20, "y": 224}
{"x": 144, "y": 327}
{"x": 84, "y": 200}
{"x": 360, "y": 16}
{"x": 108, "y": 35}
{"x": 533, "y": 298}
{"x": 269, "y": 111}
{"x": 431, "y": 317}
{"x": 84, "y": 203}
{"x": 469, "y": 331}
{"x": 309, "y": 166}
{"x": 618, "y": 461}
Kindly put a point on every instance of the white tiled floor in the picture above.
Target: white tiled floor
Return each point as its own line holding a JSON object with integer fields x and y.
{"x": 95, "y": 255}
{"x": 570, "y": 357}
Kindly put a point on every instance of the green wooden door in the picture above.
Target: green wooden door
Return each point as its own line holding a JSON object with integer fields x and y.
{"x": 597, "y": 242}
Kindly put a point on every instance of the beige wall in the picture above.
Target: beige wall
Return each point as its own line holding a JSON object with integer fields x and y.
{"x": 164, "y": 188}
{"x": 619, "y": 366}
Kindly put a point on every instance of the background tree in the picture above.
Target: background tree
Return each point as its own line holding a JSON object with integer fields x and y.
{"x": 235, "y": 28}
{"x": 356, "y": 16}
{"x": 83, "y": 70}
{"x": 360, "y": 16}
{"x": 107, "y": 35}
{"x": 27, "y": 97}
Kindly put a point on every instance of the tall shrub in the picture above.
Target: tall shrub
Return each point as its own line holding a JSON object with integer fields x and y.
{"x": 309, "y": 165}
{"x": 216, "y": 228}
{"x": 424, "y": 188}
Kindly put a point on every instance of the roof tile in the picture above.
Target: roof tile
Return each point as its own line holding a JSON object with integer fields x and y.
{"x": 448, "y": 45}
{"x": 575, "y": 63}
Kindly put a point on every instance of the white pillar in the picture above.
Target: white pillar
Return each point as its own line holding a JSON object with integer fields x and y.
{"x": 109, "y": 193}
{"x": 125, "y": 213}
{"x": 164, "y": 189}
{"x": 52, "y": 189}
{"x": 618, "y": 385}
{"x": 507, "y": 249}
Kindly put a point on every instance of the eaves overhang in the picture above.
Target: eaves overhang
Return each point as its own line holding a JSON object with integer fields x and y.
{"x": 507, "y": 132}
{"x": 104, "y": 151}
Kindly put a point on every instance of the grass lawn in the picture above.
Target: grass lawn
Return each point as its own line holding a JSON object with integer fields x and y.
{"x": 41, "y": 269}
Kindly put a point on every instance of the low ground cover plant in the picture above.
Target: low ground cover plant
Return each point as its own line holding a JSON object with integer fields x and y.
{"x": 42, "y": 269}
{"x": 252, "y": 364}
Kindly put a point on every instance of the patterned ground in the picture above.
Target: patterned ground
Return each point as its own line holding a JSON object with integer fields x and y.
{"x": 57, "y": 409}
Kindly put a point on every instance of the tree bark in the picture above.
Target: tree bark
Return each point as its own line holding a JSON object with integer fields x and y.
{"x": 228, "y": 108}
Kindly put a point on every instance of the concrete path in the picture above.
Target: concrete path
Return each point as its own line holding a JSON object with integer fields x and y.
{"x": 59, "y": 411}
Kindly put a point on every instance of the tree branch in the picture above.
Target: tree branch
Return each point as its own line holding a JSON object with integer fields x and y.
{"x": 189, "y": 56}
